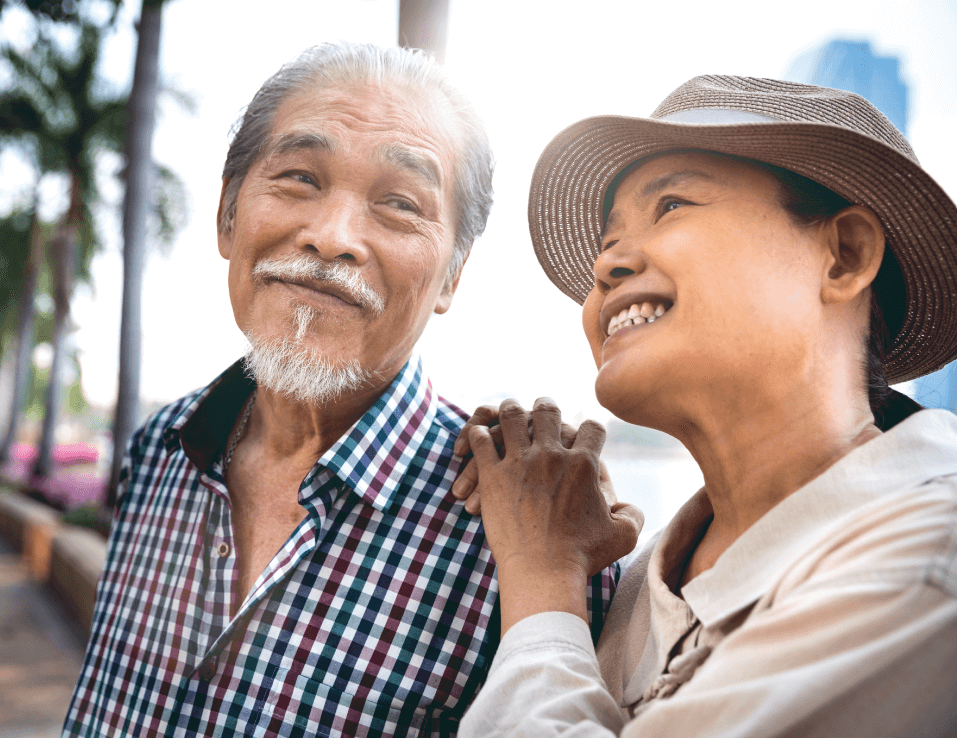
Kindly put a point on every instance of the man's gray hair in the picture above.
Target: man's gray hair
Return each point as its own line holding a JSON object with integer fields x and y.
{"x": 340, "y": 63}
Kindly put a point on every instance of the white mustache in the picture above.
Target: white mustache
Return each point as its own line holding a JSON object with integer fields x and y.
{"x": 337, "y": 274}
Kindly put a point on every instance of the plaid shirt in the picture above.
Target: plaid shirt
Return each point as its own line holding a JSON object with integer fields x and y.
{"x": 377, "y": 616}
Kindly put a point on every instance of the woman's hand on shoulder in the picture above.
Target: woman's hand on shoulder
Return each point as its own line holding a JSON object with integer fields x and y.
{"x": 544, "y": 494}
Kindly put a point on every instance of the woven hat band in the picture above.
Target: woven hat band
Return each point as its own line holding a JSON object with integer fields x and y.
{"x": 715, "y": 116}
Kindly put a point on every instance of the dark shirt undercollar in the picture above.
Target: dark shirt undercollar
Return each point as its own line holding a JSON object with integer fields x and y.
{"x": 372, "y": 457}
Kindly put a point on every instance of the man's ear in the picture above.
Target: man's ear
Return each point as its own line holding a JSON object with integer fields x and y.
{"x": 444, "y": 302}
{"x": 855, "y": 242}
{"x": 224, "y": 237}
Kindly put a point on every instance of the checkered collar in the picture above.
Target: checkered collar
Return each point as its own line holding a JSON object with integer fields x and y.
{"x": 372, "y": 457}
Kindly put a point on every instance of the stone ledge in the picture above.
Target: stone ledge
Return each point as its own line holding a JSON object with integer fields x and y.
{"x": 66, "y": 557}
{"x": 30, "y": 527}
{"x": 76, "y": 560}
{"x": 18, "y": 512}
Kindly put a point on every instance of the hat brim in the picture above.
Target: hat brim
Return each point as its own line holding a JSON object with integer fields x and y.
{"x": 920, "y": 220}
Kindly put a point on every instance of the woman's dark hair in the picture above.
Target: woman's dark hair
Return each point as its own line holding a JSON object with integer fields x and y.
{"x": 809, "y": 203}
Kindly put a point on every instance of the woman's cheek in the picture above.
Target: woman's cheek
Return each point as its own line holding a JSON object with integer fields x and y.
{"x": 591, "y": 322}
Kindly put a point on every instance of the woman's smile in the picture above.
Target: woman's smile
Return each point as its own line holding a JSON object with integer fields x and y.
{"x": 638, "y": 314}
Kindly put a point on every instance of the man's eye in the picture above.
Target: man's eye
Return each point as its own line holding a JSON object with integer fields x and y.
{"x": 401, "y": 204}
{"x": 301, "y": 177}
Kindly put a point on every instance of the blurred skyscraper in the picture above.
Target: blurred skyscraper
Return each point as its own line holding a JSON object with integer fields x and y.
{"x": 853, "y": 66}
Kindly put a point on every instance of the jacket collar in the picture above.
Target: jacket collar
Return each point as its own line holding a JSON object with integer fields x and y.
{"x": 754, "y": 562}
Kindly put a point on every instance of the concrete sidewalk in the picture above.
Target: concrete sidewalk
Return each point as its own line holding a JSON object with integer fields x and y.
{"x": 41, "y": 650}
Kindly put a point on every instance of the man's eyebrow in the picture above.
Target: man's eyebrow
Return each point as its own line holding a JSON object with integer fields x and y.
{"x": 402, "y": 157}
{"x": 301, "y": 141}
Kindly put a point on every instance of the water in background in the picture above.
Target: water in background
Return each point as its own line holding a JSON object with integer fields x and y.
{"x": 657, "y": 481}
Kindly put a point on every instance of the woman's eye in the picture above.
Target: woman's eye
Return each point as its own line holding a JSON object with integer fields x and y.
{"x": 668, "y": 204}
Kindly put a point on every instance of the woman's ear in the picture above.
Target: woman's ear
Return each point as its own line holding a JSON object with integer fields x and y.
{"x": 855, "y": 242}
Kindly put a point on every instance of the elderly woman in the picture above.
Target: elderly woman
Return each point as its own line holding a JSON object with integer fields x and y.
{"x": 756, "y": 262}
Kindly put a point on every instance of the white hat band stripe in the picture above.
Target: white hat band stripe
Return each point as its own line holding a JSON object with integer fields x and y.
{"x": 716, "y": 116}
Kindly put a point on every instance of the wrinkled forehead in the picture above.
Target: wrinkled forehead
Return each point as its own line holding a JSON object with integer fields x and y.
{"x": 411, "y": 125}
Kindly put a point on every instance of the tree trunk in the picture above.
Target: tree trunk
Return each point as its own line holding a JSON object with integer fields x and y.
{"x": 65, "y": 248}
{"x": 423, "y": 24}
{"x": 21, "y": 372}
{"x": 139, "y": 191}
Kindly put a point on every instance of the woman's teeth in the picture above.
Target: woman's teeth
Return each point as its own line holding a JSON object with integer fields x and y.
{"x": 644, "y": 312}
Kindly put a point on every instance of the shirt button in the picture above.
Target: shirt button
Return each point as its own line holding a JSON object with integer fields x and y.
{"x": 208, "y": 669}
{"x": 223, "y": 550}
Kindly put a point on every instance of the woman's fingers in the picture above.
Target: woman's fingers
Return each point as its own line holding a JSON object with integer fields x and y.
{"x": 466, "y": 482}
{"x": 626, "y": 524}
{"x": 547, "y": 421}
{"x": 483, "y": 447}
{"x": 590, "y": 437}
{"x": 520, "y": 426}
{"x": 568, "y": 435}
{"x": 473, "y": 504}
{"x": 485, "y": 415}
{"x": 607, "y": 488}
{"x": 630, "y": 515}
{"x": 619, "y": 539}
{"x": 514, "y": 422}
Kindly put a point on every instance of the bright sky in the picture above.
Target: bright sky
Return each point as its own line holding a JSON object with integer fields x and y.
{"x": 531, "y": 68}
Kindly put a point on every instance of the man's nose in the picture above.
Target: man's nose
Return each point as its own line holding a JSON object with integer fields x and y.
{"x": 336, "y": 229}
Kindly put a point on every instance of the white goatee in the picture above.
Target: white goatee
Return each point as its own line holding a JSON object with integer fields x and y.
{"x": 301, "y": 374}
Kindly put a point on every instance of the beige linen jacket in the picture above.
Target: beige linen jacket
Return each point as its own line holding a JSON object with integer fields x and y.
{"x": 834, "y": 615}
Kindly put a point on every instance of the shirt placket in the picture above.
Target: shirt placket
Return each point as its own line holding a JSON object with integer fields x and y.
{"x": 221, "y": 576}
{"x": 223, "y": 572}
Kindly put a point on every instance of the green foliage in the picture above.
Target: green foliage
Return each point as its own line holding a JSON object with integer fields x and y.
{"x": 89, "y": 516}
{"x": 73, "y": 399}
{"x": 56, "y": 113}
{"x": 14, "y": 253}
{"x": 54, "y": 10}
{"x": 60, "y": 115}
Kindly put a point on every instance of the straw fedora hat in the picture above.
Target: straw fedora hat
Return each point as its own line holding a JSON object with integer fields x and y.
{"x": 833, "y": 137}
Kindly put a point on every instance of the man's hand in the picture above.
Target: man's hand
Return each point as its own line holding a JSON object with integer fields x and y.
{"x": 545, "y": 515}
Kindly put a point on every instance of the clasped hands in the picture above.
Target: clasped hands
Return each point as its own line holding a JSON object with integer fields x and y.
{"x": 547, "y": 505}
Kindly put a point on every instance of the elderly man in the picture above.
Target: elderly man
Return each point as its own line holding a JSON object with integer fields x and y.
{"x": 287, "y": 558}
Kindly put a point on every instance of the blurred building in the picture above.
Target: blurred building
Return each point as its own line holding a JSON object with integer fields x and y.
{"x": 853, "y": 66}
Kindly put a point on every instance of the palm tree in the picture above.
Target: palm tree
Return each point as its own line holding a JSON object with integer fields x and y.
{"x": 142, "y": 117}
{"x": 24, "y": 329}
{"x": 60, "y": 120}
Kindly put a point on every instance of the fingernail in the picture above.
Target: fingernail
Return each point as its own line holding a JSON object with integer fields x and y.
{"x": 461, "y": 488}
